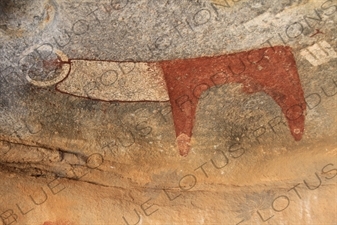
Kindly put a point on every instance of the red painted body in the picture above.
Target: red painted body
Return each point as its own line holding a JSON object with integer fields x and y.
{"x": 270, "y": 70}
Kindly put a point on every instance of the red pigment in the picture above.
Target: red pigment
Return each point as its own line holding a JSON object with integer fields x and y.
{"x": 271, "y": 70}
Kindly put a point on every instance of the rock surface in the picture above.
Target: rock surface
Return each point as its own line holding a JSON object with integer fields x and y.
{"x": 89, "y": 158}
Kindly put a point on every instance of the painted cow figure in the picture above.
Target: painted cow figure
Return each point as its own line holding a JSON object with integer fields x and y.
{"x": 271, "y": 70}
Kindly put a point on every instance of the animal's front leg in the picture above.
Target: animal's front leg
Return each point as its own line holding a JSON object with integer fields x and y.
{"x": 183, "y": 110}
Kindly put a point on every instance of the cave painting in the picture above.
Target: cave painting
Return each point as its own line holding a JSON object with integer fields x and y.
{"x": 271, "y": 70}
